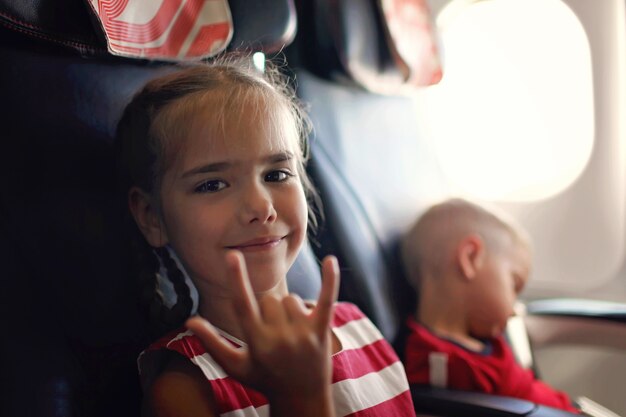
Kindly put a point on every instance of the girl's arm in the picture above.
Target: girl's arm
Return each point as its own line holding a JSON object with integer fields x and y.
{"x": 288, "y": 357}
{"x": 180, "y": 390}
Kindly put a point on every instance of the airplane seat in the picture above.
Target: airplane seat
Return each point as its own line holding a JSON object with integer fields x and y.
{"x": 364, "y": 144}
{"x": 359, "y": 143}
{"x": 69, "y": 312}
{"x": 365, "y": 147}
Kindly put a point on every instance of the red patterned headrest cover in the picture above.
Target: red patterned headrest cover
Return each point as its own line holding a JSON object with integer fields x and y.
{"x": 411, "y": 40}
{"x": 164, "y": 29}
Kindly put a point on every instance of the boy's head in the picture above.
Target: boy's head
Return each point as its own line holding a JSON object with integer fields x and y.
{"x": 460, "y": 249}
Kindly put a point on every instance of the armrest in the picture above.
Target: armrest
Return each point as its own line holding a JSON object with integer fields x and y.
{"x": 576, "y": 322}
{"x": 453, "y": 403}
{"x": 569, "y": 307}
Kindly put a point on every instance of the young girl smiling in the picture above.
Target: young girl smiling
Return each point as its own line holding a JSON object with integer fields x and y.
{"x": 215, "y": 159}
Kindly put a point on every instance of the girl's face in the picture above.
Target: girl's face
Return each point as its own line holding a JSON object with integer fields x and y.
{"x": 235, "y": 187}
{"x": 498, "y": 283}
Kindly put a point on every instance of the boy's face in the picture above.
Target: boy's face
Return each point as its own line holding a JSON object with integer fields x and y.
{"x": 500, "y": 279}
{"x": 235, "y": 187}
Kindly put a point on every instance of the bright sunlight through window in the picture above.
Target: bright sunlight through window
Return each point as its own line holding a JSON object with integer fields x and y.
{"x": 512, "y": 118}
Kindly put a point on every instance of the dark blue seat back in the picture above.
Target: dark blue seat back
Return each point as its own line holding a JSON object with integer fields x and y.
{"x": 69, "y": 309}
{"x": 62, "y": 217}
{"x": 366, "y": 149}
{"x": 363, "y": 148}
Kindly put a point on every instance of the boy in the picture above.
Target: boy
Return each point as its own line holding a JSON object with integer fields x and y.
{"x": 468, "y": 266}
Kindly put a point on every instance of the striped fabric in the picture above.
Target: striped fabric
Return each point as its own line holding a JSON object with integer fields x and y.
{"x": 368, "y": 379}
{"x": 164, "y": 29}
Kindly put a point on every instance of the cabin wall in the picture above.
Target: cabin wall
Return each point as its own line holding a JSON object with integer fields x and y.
{"x": 579, "y": 233}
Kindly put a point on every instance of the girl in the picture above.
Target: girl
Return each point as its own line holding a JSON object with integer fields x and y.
{"x": 215, "y": 158}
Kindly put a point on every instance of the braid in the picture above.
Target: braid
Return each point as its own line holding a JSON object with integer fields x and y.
{"x": 161, "y": 319}
{"x": 146, "y": 266}
{"x": 182, "y": 309}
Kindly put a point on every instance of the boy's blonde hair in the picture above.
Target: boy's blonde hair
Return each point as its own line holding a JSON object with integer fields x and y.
{"x": 427, "y": 248}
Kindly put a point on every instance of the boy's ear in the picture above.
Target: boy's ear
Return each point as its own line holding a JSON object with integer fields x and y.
{"x": 147, "y": 217}
{"x": 470, "y": 254}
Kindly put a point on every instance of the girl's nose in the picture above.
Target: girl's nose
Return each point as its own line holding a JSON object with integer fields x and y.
{"x": 257, "y": 205}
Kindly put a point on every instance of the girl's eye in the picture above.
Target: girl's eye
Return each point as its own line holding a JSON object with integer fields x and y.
{"x": 211, "y": 186}
{"x": 278, "y": 176}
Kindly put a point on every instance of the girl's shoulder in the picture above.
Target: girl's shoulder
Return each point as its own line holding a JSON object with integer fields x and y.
{"x": 180, "y": 388}
{"x": 346, "y": 312}
{"x": 353, "y": 328}
{"x": 181, "y": 340}
{"x": 155, "y": 358}
{"x": 179, "y": 344}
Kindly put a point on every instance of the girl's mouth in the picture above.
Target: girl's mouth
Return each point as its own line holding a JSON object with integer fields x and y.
{"x": 258, "y": 244}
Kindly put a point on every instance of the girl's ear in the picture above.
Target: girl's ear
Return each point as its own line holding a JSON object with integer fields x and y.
{"x": 147, "y": 217}
{"x": 470, "y": 255}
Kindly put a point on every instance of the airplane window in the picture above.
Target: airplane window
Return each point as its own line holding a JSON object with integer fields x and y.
{"x": 513, "y": 117}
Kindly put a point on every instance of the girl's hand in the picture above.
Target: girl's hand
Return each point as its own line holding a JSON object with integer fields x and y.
{"x": 288, "y": 356}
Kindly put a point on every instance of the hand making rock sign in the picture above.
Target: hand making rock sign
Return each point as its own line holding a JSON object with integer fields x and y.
{"x": 289, "y": 345}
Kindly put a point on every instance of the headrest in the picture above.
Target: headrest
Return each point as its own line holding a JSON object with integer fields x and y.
{"x": 170, "y": 30}
{"x": 167, "y": 30}
{"x": 263, "y": 25}
{"x": 63, "y": 22}
{"x": 383, "y": 45}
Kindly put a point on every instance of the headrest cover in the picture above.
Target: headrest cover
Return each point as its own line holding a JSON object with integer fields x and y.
{"x": 411, "y": 40}
{"x": 384, "y": 46}
{"x": 164, "y": 29}
{"x": 159, "y": 29}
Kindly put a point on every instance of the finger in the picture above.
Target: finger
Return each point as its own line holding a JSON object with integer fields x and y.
{"x": 234, "y": 361}
{"x": 272, "y": 310}
{"x": 244, "y": 299}
{"x": 323, "y": 311}
{"x": 294, "y": 307}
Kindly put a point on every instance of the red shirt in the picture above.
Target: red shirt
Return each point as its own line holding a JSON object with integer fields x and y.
{"x": 368, "y": 379}
{"x": 495, "y": 372}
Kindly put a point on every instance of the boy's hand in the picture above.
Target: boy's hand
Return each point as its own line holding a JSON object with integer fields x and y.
{"x": 289, "y": 347}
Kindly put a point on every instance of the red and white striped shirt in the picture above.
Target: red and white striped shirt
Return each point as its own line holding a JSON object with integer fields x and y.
{"x": 368, "y": 378}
